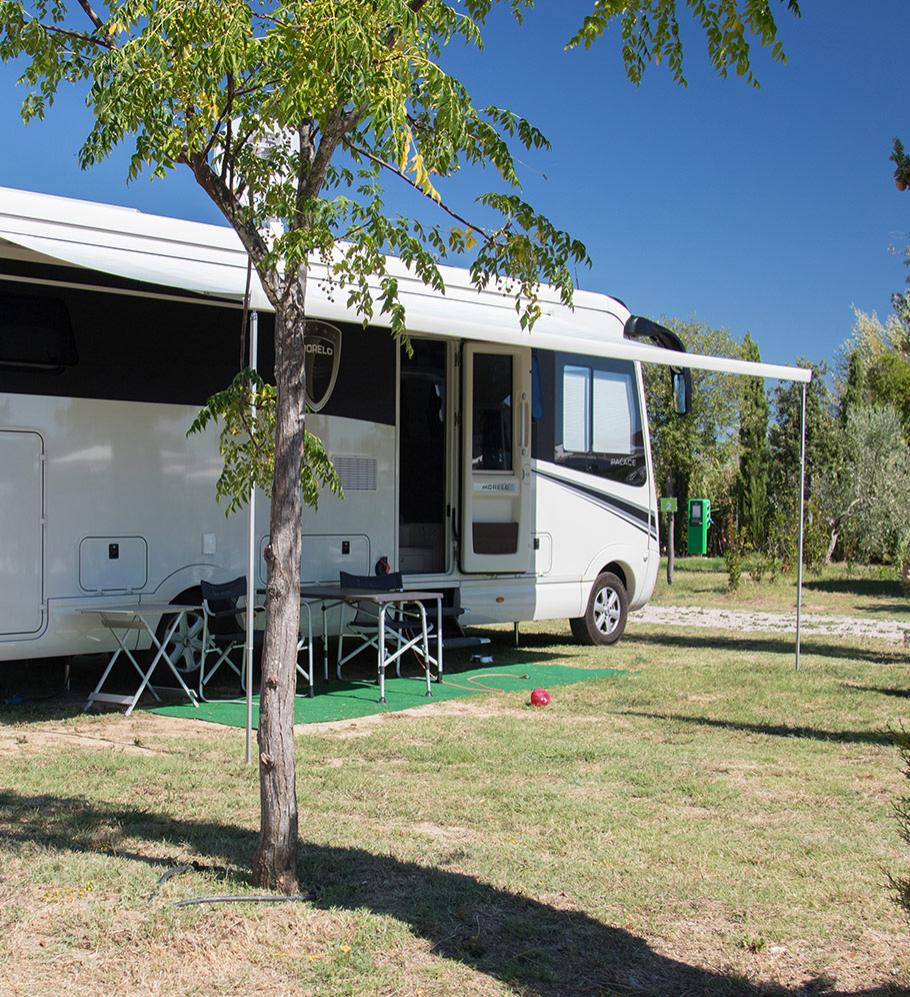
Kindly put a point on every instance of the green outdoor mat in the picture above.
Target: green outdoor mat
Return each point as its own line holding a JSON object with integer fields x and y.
{"x": 349, "y": 700}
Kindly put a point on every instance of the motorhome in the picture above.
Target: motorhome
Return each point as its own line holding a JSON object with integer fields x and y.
{"x": 509, "y": 470}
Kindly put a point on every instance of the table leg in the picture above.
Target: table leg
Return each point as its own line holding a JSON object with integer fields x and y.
{"x": 161, "y": 652}
{"x": 325, "y": 643}
{"x": 380, "y": 652}
{"x": 439, "y": 638}
{"x": 147, "y": 677}
{"x": 102, "y": 680}
{"x": 426, "y": 647}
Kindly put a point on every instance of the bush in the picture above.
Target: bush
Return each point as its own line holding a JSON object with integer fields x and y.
{"x": 736, "y": 547}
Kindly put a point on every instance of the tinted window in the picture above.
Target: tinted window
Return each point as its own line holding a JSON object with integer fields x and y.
{"x": 492, "y": 413}
{"x": 35, "y": 332}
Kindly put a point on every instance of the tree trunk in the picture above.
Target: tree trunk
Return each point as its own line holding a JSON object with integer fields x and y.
{"x": 275, "y": 863}
{"x": 834, "y": 536}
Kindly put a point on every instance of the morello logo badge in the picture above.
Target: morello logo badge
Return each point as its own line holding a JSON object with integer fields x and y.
{"x": 322, "y": 355}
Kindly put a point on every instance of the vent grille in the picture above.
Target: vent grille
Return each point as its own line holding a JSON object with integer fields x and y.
{"x": 357, "y": 474}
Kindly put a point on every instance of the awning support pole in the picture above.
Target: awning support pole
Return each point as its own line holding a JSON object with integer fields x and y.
{"x": 802, "y": 510}
{"x": 251, "y": 564}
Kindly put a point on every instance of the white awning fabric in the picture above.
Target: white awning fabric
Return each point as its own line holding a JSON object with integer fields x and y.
{"x": 210, "y": 260}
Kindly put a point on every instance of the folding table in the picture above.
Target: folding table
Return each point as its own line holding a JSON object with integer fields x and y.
{"x": 123, "y": 620}
{"x": 331, "y": 596}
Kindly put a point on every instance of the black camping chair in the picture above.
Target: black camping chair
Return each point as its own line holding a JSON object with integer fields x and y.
{"x": 224, "y": 631}
{"x": 224, "y": 628}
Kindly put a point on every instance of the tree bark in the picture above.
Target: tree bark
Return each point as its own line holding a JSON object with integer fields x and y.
{"x": 275, "y": 863}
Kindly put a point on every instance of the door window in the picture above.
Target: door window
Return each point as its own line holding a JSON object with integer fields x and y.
{"x": 492, "y": 413}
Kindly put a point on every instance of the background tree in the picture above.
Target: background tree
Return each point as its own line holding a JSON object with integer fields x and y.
{"x": 882, "y": 349}
{"x": 295, "y": 110}
{"x": 877, "y": 483}
{"x": 824, "y": 448}
{"x": 752, "y": 486}
{"x": 696, "y": 454}
{"x": 901, "y": 165}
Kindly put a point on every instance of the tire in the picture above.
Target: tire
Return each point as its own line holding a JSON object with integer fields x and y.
{"x": 185, "y": 647}
{"x": 605, "y": 617}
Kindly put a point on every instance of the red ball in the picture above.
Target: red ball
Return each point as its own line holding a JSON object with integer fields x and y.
{"x": 540, "y": 697}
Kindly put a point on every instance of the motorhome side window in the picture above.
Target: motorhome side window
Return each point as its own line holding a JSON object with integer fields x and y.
{"x": 35, "y": 334}
{"x": 597, "y": 402}
{"x": 492, "y": 412}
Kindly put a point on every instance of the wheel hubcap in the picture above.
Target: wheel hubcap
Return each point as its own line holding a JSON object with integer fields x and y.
{"x": 185, "y": 647}
{"x": 607, "y": 610}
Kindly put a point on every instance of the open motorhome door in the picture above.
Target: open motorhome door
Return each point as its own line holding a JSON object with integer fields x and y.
{"x": 496, "y": 459}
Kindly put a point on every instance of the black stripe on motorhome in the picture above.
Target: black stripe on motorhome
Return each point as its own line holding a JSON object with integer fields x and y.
{"x": 177, "y": 352}
{"x": 641, "y": 519}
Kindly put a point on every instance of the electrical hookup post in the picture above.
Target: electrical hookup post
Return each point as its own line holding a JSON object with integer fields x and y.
{"x": 668, "y": 506}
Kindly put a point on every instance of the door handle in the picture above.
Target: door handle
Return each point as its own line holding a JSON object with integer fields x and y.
{"x": 524, "y": 426}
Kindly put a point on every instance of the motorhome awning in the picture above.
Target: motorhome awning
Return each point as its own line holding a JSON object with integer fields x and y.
{"x": 210, "y": 260}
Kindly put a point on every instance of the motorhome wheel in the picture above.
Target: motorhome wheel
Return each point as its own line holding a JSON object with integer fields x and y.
{"x": 605, "y": 618}
{"x": 185, "y": 647}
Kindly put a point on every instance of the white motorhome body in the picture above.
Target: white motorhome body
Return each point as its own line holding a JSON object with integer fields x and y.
{"x": 509, "y": 470}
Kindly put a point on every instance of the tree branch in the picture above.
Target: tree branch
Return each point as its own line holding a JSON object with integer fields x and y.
{"x": 92, "y": 16}
{"x": 78, "y": 35}
{"x": 402, "y": 176}
{"x": 108, "y": 41}
{"x": 229, "y": 206}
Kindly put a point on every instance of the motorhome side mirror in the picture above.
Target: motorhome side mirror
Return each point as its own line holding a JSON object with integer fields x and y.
{"x": 682, "y": 391}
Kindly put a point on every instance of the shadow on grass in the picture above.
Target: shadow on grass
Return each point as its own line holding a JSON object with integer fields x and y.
{"x": 538, "y": 949}
{"x": 772, "y": 643}
{"x": 773, "y": 730}
{"x": 881, "y": 587}
{"x": 885, "y": 691}
{"x": 899, "y": 610}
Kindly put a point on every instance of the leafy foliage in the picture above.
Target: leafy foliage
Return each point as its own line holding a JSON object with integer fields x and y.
{"x": 696, "y": 454}
{"x": 878, "y": 360}
{"x": 752, "y": 487}
{"x": 651, "y": 33}
{"x": 901, "y": 165}
{"x": 290, "y": 113}
{"x": 246, "y": 412}
{"x": 875, "y": 484}
{"x": 736, "y": 546}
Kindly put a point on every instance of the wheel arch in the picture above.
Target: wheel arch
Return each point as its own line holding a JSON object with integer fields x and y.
{"x": 621, "y": 571}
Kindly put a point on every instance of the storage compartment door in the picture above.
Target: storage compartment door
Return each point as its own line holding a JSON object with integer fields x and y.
{"x": 21, "y": 541}
{"x": 496, "y": 459}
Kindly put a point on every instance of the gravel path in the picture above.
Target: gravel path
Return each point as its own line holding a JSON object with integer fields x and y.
{"x": 743, "y": 620}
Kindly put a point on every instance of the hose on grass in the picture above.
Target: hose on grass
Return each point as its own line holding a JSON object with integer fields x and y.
{"x": 475, "y": 682}
{"x": 250, "y": 898}
{"x": 253, "y": 898}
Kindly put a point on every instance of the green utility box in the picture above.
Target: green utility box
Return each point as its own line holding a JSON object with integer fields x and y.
{"x": 699, "y": 521}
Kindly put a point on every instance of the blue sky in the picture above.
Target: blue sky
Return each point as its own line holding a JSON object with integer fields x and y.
{"x": 771, "y": 211}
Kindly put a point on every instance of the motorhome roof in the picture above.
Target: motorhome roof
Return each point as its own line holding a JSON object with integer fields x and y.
{"x": 210, "y": 259}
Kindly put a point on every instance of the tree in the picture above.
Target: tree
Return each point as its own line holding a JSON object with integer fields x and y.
{"x": 864, "y": 497}
{"x": 901, "y": 165}
{"x": 295, "y": 110}
{"x": 882, "y": 349}
{"x": 696, "y": 454}
{"x": 752, "y": 487}
{"x": 824, "y": 449}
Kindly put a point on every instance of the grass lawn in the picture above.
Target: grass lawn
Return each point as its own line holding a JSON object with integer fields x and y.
{"x": 709, "y": 822}
{"x": 859, "y": 590}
